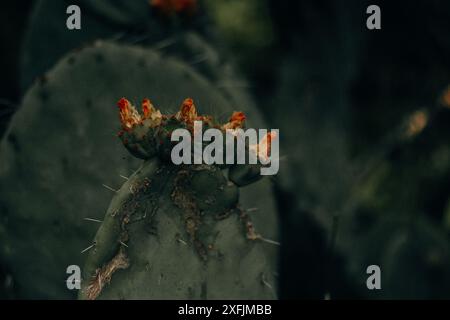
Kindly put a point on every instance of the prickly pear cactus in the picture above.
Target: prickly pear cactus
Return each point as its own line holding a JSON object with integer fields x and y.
{"x": 177, "y": 231}
{"x": 59, "y": 155}
{"x": 153, "y": 23}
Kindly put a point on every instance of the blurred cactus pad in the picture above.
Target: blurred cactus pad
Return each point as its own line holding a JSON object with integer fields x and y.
{"x": 61, "y": 155}
{"x": 155, "y": 23}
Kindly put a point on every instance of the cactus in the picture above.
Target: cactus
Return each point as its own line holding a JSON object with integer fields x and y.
{"x": 178, "y": 231}
{"x": 128, "y": 22}
{"x": 57, "y": 153}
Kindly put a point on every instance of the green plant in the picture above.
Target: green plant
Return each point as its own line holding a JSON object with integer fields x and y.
{"x": 177, "y": 230}
{"x": 65, "y": 127}
{"x": 138, "y": 21}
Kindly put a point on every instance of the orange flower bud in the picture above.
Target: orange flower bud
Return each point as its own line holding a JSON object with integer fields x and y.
{"x": 236, "y": 121}
{"x": 128, "y": 114}
{"x": 187, "y": 113}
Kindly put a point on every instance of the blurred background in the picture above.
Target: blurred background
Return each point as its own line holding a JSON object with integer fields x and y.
{"x": 364, "y": 122}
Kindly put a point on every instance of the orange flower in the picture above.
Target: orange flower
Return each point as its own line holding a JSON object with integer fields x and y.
{"x": 150, "y": 113}
{"x": 187, "y": 113}
{"x": 236, "y": 121}
{"x": 264, "y": 147}
{"x": 238, "y": 117}
{"x": 128, "y": 114}
{"x": 147, "y": 108}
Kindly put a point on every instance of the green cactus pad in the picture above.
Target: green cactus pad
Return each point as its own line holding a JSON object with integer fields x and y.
{"x": 158, "y": 242}
{"x": 127, "y": 21}
{"x": 62, "y": 146}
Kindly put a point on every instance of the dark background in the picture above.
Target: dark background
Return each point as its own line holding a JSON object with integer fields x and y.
{"x": 360, "y": 189}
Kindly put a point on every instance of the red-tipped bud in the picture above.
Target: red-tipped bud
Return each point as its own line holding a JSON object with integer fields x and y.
{"x": 264, "y": 147}
{"x": 150, "y": 113}
{"x": 236, "y": 121}
{"x": 128, "y": 114}
{"x": 187, "y": 112}
{"x": 147, "y": 108}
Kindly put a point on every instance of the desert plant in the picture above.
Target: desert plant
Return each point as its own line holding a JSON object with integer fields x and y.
{"x": 177, "y": 230}
{"x": 66, "y": 125}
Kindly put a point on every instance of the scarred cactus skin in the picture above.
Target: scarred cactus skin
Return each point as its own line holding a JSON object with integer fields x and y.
{"x": 177, "y": 231}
